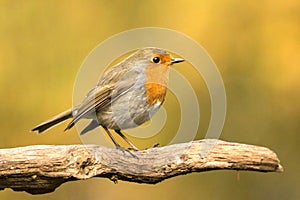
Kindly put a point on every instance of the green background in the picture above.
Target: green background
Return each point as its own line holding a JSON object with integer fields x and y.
{"x": 255, "y": 44}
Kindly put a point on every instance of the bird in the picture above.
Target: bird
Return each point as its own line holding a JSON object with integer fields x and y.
{"x": 126, "y": 96}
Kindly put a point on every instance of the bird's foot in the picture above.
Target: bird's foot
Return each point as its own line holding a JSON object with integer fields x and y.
{"x": 128, "y": 150}
{"x": 156, "y": 145}
{"x": 153, "y": 146}
{"x": 133, "y": 148}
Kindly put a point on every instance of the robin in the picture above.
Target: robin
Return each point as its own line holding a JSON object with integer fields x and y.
{"x": 126, "y": 96}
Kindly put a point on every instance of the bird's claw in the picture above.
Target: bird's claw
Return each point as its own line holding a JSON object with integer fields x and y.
{"x": 128, "y": 150}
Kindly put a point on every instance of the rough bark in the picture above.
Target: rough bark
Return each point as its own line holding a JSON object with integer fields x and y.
{"x": 42, "y": 168}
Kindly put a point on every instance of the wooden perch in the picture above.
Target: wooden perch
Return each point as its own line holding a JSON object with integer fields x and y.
{"x": 40, "y": 169}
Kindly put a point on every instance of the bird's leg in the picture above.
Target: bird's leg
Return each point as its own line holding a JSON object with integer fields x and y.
{"x": 127, "y": 140}
{"x": 117, "y": 144}
{"x": 112, "y": 138}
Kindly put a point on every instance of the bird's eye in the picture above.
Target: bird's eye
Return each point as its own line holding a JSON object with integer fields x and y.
{"x": 156, "y": 59}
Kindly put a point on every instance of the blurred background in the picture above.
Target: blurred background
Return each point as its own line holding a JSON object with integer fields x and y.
{"x": 256, "y": 46}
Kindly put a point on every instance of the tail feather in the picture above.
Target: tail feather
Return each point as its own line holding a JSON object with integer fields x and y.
{"x": 92, "y": 125}
{"x": 53, "y": 121}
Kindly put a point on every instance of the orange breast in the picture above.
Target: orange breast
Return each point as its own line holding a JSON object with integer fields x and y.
{"x": 155, "y": 93}
{"x": 156, "y": 83}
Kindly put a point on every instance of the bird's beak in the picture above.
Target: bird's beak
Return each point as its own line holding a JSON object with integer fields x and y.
{"x": 176, "y": 60}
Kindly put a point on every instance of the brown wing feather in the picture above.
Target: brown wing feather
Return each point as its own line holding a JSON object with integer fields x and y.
{"x": 103, "y": 95}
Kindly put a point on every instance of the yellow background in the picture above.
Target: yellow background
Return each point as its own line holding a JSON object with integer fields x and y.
{"x": 255, "y": 44}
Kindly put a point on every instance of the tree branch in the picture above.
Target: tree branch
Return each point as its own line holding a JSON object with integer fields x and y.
{"x": 42, "y": 168}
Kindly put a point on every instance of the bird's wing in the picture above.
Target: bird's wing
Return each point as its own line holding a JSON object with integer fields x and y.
{"x": 103, "y": 95}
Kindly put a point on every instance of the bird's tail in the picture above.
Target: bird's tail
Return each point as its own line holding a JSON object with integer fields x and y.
{"x": 53, "y": 121}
